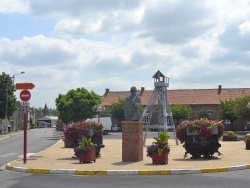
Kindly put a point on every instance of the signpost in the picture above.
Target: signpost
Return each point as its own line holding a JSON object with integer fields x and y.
{"x": 25, "y": 97}
{"x": 25, "y": 103}
{"x": 20, "y": 86}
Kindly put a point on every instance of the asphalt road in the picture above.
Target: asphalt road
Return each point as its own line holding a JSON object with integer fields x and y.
{"x": 40, "y": 139}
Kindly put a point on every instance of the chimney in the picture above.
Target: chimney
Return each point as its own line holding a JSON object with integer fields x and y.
{"x": 142, "y": 90}
{"x": 219, "y": 89}
{"x": 106, "y": 92}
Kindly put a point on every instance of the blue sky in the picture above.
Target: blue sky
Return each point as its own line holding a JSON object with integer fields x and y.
{"x": 116, "y": 44}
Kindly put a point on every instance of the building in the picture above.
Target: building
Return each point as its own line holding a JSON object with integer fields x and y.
{"x": 45, "y": 119}
{"x": 199, "y": 100}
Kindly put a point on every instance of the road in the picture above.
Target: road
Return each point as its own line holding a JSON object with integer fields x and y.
{"x": 43, "y": 138}
{"x": 37, "y": 140}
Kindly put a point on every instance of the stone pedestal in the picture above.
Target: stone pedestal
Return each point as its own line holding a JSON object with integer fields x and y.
{"x": 132, "y": 141}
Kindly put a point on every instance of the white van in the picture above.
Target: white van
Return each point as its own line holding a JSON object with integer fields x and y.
{"x": 106, "y": 122}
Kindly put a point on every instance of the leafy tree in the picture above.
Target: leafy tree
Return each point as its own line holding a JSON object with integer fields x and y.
{"x": 117, "y": 109}
{"x": 227, "y": 111}
{"x": 181, "y": 111}
{"x": 241, "y": 110}
{"x": 76, "y": 105}
{"x": 7, "y": 83}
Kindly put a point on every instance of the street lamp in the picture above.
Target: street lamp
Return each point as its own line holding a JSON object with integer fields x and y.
{"x": 13, "y": 77}
{"x": 98, "y": 109}
{"x": 7, "y": 91}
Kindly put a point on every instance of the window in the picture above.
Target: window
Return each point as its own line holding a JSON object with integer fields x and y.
{"x": 147, "y": 116}
{"x": 210, "y": 112}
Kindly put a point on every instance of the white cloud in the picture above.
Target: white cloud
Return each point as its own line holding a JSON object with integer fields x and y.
{"x": 14, "y": 6}
{"x": 245, "y": 28}
{"x": 115, "y": 44}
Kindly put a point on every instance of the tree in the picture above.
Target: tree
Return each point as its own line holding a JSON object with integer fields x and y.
{"x": 227, "y": 111}
{"x": 181, "y": 111}
{"x": 6, "y": 83}
{"x": 76, "y": 105}
{"x": 117, "y": 109}
{"x": 241, "y": 110}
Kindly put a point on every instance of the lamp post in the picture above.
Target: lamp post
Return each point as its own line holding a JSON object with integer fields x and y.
{"x": 7, "y": 92}
{"x": 98, "y": 108}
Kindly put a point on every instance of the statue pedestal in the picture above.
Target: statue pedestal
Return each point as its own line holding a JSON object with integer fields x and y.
{"x": 132, "y": 141}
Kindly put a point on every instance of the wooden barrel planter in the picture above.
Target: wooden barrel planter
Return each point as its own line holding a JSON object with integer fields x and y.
{"x": 229, "y": 137}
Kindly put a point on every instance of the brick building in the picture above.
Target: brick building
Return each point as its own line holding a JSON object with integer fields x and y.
{"x": 198, "y": 99}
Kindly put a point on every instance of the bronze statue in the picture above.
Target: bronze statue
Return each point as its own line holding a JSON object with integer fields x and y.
{"x": 131, "y": 106}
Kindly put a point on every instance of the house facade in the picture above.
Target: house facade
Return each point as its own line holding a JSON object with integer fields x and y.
{"x": 200, "y": 100}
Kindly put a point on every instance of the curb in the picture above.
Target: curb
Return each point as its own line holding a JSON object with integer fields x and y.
{"x": 126, "y": 172}
{"x": 123, "y": 172}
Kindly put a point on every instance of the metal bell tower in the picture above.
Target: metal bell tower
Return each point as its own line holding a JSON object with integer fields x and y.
{"x": 158, "y": 103}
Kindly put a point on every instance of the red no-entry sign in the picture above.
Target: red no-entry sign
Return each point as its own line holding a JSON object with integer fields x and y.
{"x": 25, "y": 95}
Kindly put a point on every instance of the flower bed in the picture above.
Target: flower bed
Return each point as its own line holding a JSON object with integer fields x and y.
{"x": 75, "y": 131}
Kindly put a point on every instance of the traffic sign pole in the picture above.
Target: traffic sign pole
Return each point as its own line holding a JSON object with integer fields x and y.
{"x": 25, "y": 135}
{"x": 25, "y": 97}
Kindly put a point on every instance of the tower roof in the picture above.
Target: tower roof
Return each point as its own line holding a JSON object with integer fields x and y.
{"x": 158, "y": 74}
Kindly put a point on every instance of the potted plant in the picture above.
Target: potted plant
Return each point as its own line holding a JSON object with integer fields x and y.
{"x": 159, "y": 149}
{"x": 85, "y": 150}
{"x": 247, "y": 141}
{"x": 200, "y": 137}
{"x": 74, "y": 132}
{"x": 230, "y": 136}
{"x": 95, "y": 131}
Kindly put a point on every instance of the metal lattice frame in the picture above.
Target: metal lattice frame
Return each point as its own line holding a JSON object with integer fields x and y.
{"x": 162, "y": 108}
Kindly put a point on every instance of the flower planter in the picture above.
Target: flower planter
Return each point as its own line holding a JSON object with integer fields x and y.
{"x": 68, "y": 144}
{"x": 162, "y": 159}
{"x": 247, "y": 145}
{"x": 229, "y": 137}
{"x": 98, "y": 141}
{"x": 88, "y": 157}
{"x": 197, "y": 145}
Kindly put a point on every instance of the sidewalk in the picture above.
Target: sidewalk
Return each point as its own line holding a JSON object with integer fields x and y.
{"x": 60, "y": 160}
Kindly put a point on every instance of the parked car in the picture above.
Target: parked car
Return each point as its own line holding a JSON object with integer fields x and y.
{"x": 119, "y": 128}
{"x": 114, "y": 128}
